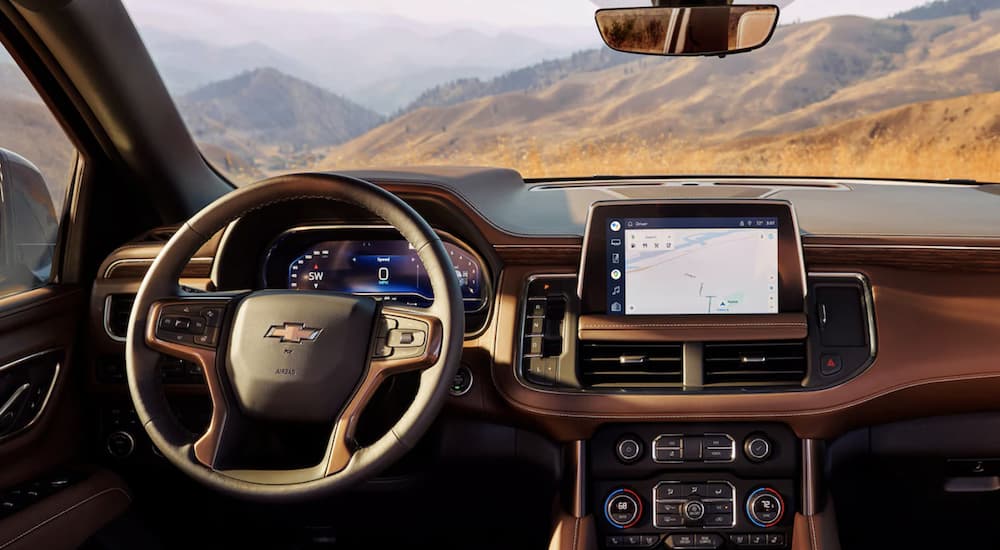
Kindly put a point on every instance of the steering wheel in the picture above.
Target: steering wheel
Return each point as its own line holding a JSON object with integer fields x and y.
{"x": 280, "y": 356}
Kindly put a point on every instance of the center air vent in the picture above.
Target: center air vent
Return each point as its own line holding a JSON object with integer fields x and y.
{"x": 754, "y": 364}
{"x": 631, "y": 365}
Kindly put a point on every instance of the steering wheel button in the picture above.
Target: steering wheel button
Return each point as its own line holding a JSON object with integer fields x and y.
{"x": 385, "y": 324}
{"x": 212, "y": 315}
{"x": 406, "y": 338}
{"x": 381, "y": 349}
{"x": 208, "y": 339}
{"x": 197, "y": 325}
{"x": 181, "y": 338}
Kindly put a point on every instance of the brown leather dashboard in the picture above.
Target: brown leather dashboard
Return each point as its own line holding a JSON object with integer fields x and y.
{"x": 935, "y": 298}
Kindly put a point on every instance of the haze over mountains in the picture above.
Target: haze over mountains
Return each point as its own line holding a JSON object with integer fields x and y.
{"x": 830, "y": 95}
{"x": 811, "y": 75}
{"x": 271, "y": 117}
{"x": 381, "y": 62}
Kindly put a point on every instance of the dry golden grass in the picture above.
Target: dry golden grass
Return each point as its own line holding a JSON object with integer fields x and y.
{"x": 952, "y": 138}
{"x": 882, "y": 157}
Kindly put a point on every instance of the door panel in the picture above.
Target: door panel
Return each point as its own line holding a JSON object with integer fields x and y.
{"x": 38, "y": 329}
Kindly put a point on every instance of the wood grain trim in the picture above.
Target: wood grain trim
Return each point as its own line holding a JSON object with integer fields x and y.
{"x": 529, "y": 254}
{"x": 197, "y": 268}
{"x": 912, "y": 257}
{"x": 698, "y": 328}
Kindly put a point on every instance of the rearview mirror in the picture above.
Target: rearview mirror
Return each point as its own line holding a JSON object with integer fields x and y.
{"x": 699, "y": 30}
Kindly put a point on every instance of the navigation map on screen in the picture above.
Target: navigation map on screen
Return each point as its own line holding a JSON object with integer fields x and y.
{"x": 667, "y": 266}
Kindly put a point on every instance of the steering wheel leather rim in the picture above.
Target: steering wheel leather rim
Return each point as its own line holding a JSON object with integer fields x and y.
{"x": 161, "y": 284}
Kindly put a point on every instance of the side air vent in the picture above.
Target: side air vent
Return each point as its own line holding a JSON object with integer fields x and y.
{"x": 755, "y": 364}
{"x": 117, "y": 310}
{"x": 631, "y": 365}
{"x": 158, "y": 235}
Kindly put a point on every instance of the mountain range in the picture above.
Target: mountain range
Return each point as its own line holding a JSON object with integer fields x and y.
{"x": 271, "y": 117}
{"x": 842, "y": 86}
{"x": 382, "y": 62}
{"x": 811, "y": 75}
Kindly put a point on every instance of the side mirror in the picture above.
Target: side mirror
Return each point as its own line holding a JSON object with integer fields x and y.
{"x": 687, "y": 31}
{"x": 28, "y": 224}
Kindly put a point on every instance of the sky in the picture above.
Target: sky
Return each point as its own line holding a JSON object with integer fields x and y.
{"x": 520, "y": 13}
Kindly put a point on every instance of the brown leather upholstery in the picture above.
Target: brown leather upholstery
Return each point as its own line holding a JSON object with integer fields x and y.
{"x": 68, "y": 518}
{"x": 572, "y": 533}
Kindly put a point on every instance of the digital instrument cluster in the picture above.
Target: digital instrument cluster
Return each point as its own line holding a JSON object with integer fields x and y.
{"x": 376, "y": 263}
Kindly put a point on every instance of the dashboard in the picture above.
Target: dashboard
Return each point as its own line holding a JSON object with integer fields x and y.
{"x": 368, "y": 260}
{"x": 693, "y": 337}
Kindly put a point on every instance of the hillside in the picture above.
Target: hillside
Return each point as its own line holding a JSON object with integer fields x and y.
{"x": 947, "y": 8}
{"x": 267, "y": 114}
{"x": 951, "y": 138}
{"x": 28, "y": 128}
{"x": 534, "y": 77}
{"x": 811, "y": 75}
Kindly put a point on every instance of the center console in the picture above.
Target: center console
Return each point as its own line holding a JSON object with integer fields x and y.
{"x": 694, "y": 486}
{"x": 679, "y": 301}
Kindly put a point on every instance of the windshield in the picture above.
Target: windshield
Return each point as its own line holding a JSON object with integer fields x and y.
{"x": 887, "y": 89}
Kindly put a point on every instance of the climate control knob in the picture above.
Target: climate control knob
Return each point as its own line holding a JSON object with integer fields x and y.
{"x": 765, "y": 507}
{"x": 623, "y": 508}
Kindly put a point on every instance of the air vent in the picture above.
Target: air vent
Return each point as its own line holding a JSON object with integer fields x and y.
{"x": 754, "y": 364}
{"x": 117, "y": 310}
{"x": 158, "y": 235}
{"x": 631, "y": 365}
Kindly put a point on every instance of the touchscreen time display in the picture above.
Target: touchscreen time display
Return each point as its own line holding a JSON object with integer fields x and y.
{"x": 705, "y": 265}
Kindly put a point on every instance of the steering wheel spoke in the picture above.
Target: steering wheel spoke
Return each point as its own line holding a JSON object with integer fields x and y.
{"x": 406, "y": 340}
{"x": 191, "y": 327}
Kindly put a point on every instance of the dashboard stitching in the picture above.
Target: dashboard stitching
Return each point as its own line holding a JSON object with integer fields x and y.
{"x": 690, "y": 325}
{"x": 63, "y": 512}
{"x": 757, "y": 414}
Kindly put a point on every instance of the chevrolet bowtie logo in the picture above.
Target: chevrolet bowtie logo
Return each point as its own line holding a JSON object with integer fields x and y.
{"x": 293, "y": 333}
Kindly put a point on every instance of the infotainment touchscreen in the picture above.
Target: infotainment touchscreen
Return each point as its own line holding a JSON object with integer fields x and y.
{"x": 692, "y": 257}
{"x": 673, "y": 266}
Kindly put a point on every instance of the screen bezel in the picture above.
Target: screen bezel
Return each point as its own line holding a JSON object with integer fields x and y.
{"x": 592, "y": 287}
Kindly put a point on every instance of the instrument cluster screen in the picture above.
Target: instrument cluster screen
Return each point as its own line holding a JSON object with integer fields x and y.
{"x": 388, "y": 269}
